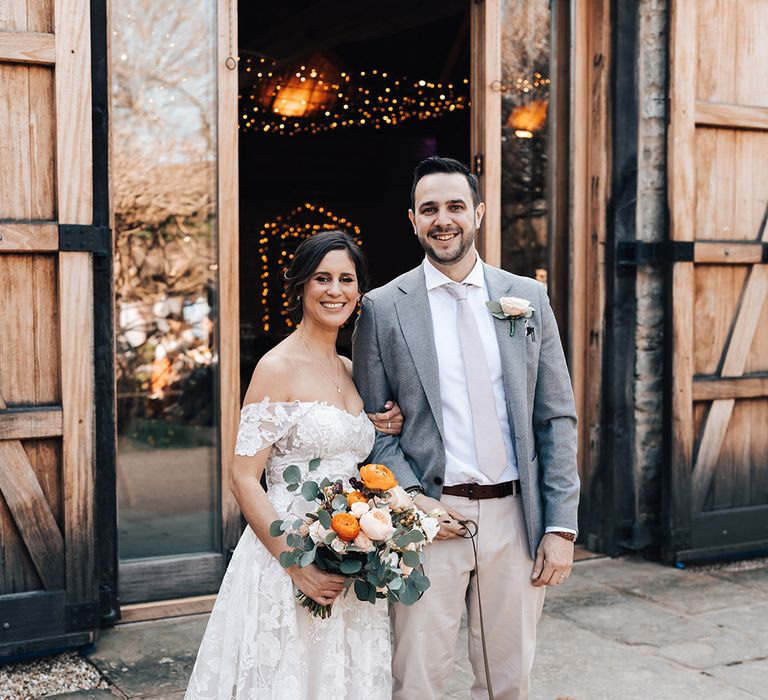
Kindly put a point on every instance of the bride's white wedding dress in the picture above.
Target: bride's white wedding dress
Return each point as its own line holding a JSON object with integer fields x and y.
{"x": 259, "y": 642}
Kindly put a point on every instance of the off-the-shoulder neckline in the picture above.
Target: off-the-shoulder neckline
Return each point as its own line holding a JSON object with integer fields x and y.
{"x": 297, "y": 402}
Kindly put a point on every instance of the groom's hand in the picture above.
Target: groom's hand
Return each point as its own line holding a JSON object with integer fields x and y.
{"x": 554, "y": 560}
{"x": 449, "y": 521}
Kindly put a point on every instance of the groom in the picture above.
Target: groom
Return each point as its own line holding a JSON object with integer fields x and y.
{"x": 489, "y": 436}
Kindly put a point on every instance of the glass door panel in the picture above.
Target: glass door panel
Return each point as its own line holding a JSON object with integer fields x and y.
{"x": 525, "y": 70}
{"x": 164, "y": 164}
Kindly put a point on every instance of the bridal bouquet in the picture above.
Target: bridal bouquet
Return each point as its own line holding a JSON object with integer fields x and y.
{"x": 372, "y": 533}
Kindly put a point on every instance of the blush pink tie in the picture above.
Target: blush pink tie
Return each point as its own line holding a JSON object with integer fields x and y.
{"x": 489, "y": 444}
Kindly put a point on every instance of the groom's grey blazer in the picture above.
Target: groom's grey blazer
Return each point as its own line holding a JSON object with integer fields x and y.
{"x": 394, "y": 357}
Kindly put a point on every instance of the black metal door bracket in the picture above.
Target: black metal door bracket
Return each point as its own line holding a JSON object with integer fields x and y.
{"x": 633, "y": 254}
{"x": 80, "y": 238}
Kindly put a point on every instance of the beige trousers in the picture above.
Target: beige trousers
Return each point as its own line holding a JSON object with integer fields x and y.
{"x": 426, "y": 632}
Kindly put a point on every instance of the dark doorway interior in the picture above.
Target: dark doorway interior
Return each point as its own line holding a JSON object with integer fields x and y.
{"x": 400, "y": 72}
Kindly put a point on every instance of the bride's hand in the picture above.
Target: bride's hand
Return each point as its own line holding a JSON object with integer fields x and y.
{"x": 319, "y": 585}
{"x": 389, "y": 422}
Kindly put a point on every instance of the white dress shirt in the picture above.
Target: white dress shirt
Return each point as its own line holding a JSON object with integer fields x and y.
{"x": 460, "y": 458}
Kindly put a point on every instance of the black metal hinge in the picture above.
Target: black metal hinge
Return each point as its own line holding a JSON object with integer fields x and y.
{"x": 81, "y": 616}
{"x": 85, "y": 238}
{"x": 633, "y": 254}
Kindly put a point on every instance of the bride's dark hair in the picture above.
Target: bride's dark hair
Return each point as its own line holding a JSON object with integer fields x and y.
{"x": 308, "y": 257}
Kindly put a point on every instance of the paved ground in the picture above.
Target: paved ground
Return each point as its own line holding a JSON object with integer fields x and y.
{"x": 620, "y": 629}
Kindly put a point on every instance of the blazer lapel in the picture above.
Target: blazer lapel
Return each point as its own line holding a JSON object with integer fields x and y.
{"x": 415, "y": 319}
{"x": 512, "y": 351}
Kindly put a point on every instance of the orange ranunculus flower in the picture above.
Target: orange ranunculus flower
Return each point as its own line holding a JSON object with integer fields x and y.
{"x": 356, "y": 497}
{"x": 345, "y": 525}
{"x": 377, "y": 477}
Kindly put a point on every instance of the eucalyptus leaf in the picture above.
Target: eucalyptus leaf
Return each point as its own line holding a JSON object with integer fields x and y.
{"x": 410, "y": 537}
{"x": 330, "y": 537}
{"x": 395, "y": 584}
{"x": 325, "y": 518}
{"x": 309, "y": 491}
{"x": 291, "y": 487}
{"x": 325, "y": 483}
{"x": 287, "y": 560}
{"x": 314, "y": 464}
{"x": 411, "y": 558}
{"x": 293, "y": 540}
{"x": 292, "y": 474}
{"x": 350, "y": 566}
{"x": 308, "y": 557}
{"x": 276, "y": 528}
{"x": 409, "y": 594}
{"x": 340, "y": 503}
{"x": 494, "y": 306}
{"x": 361, "y": 589}
{"x": 500, "y": 315}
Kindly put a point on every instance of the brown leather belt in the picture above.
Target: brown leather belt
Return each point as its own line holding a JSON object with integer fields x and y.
{"x": 478, "y": 491}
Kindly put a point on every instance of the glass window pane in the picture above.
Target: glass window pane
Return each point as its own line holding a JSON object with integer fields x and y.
{"x": 525, "y": 46}
{"x": 164, "y": 197}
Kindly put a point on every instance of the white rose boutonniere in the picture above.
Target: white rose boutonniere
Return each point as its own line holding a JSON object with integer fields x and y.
{"x": 513, "y": 308}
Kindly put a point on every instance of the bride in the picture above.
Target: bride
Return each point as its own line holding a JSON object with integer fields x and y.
{"x": 301, "y": 404}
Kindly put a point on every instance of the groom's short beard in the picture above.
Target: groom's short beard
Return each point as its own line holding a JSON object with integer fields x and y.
{"x": 453, "y": 257}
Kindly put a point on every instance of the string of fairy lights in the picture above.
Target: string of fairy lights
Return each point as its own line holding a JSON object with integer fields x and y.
{"x": 279, "y": 238}
{"x": 311, "y": 101}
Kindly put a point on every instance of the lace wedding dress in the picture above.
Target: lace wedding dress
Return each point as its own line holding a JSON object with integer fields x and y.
{"x": 259, "y": 642}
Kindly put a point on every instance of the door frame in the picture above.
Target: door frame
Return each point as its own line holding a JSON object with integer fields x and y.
{"x": 147, "y": 580}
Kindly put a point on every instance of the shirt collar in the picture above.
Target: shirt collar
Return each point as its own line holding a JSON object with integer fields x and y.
{"x": 434, "y": 278}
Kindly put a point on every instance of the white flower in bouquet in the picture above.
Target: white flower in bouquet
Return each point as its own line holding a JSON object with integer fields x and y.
{"x": 317, "y": 532}
{"x": 363, "y": 542}
{"x": 304, "y": 529}
{"x": 339, "y": 545}
{"x": 359, "y": 509}
{"x": 377, "y": 524}
{"x": 430, "y": 526}
{"x": 399, "y": 498}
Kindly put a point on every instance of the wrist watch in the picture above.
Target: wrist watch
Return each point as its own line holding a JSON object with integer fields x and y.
{"x": 565, "y": 535}
{"x": 414, "y": 491}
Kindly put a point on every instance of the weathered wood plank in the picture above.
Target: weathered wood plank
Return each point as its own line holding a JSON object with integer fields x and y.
{"x": 728, "y": 252}
{"x": 42, "y": 143}
{"x": 77, "y": 387}
{"x": 32, "y": 514}
{"x": 74, "y": 168}
{"x": 162, "y": 609}
{"x": 14, "y": 146}
{"x": 486, "y": 125}
{"x": 24, "y": 423}
{"x": 28, "y": 238}
{"x": 17, "y": 384}
{"x": 682, "y": 197}
{"x": 729, "y": 116}
{"x": 196, "y": 574}
{"x": 733, "y": 363}
{"x": 27, "y": 47}
{"x": 709, "y": 388}
{"x": 229, "y": 266}
{"x": 47, "y": 373}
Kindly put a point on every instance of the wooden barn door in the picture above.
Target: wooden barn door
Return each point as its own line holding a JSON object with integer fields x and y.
{"x": 718, "y": 175}
{"x": 48, "y": 586}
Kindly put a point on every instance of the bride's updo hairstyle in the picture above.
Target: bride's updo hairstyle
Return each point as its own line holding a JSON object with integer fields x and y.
{"x": 307, "y": 259}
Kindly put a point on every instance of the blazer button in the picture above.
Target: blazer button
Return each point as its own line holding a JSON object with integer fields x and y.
{"x": 438, "y": 480}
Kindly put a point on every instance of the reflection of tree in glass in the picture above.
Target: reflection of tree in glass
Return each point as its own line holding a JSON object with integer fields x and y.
{"x": 163, "y": 174}
{"x": 525, "y": 76}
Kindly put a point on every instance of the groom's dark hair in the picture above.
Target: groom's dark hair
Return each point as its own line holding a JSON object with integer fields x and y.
{"x": 436, "y": 164}
{"x": 307, "y": 259}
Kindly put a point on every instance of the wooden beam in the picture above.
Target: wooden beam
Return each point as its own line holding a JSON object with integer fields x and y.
{"x": 706, "y": 388}
{"x": 733, "y": 363}
{"x": 486, "y": 121}
{"x": 728, "y": 252}
{"x": 28, "y": 238}
{"x": 27, "y": 47}
{"x": 31, "y": 512}
{"x": 728, "y": 116}
{"x": 26, "y": 424}
{"x": 682, "y": 198}
{"x": 74, "y": 161}
{"x": 229, "y": 266}
{"x": 77, "y": 399}
{"x": 162, "y": 609}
